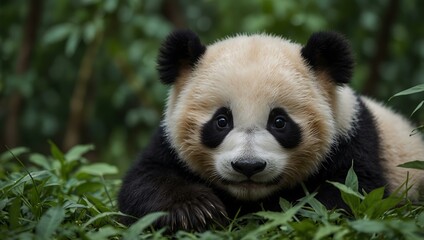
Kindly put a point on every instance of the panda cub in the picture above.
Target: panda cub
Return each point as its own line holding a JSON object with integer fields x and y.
{"x": 250, "y": 118}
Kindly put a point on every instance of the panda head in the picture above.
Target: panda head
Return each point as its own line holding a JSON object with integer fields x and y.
{"x": 253, "y": 114}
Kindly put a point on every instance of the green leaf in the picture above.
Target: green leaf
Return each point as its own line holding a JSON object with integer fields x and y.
{"x": 78, "y": 151}
{"x": 73, "y": 205}
{"x": 97, "y": 203}
{"x": 88, "y": 187}
{"x": 40, "y": 160}
{"x": 89, "y": 32}
{"x": 285, "y": 205}
{"x": 72, "y": 42}
{"x": 3, "y": 203}
{"x": 416, "y": 130}
{"x": 38, "y": 175}
{"x": 352, "y": 180}
{"x": 12, "y": 153}
{"x": 412, "y": 90}
{"x": 386, "y": 204}
{"x": 341, "y": 234}
{"x": 107, "y": 232}
{"x": 417, "y": 108}
{"x": 56, "y": 153}
{"x": 413, "y": 164}
{"x": 408, "y": 228}
{"x": 420, "y": 220}
{"x": 326, "y": 230}
{"x": 276, "y": 218}
{"x": 97, "y": 169}
{"x": 100, "y": 216}
{"x": 57, "y": 33}
{"x": 346, "y": 189}
{"x": 110, "y": 5}
{"x": 318, "y": 207}
{"x": 15, "y": 213}
{"x": 49, "y": 222}
{"x": 351, "y": 197}
{"x": 134, "y": 231}
{"x": 374, "y": 204}
{"x": 306, "y": 227}
{"x": 373, "y": 197}
{"x": 368, "y": 226}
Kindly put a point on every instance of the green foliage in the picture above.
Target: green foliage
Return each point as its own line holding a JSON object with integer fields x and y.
{"x": 411, "y": 91}
{"x": 413, "y": 165}
{"x": 367, "y": 205}
{"x": 57, "y": 195}
{"x": 62, "y": 196}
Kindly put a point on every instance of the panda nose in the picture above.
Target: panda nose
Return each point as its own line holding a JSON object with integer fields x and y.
{"x": 248, "y": 167}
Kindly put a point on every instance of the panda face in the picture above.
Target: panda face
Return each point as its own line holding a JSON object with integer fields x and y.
{"x": 251, "y": 117}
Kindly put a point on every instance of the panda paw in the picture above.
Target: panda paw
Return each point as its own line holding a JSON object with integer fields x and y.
{"x": 195, "y": 214}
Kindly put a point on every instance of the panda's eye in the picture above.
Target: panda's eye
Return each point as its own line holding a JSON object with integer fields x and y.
{"x": 222, "y": 121}
{"x": 279, "y": 122}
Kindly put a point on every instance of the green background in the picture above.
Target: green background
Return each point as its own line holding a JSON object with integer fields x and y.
{"x": 83, "y": 71}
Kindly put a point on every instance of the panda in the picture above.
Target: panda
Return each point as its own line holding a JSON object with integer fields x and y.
{"x": 250, "y": 119}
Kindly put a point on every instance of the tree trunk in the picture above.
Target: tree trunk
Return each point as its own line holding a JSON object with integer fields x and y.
{"x": 15, "y": 102}
{"x": 79, "y": 96}
{"x": 172, "y": 11}
{"x": 382, "y": 47}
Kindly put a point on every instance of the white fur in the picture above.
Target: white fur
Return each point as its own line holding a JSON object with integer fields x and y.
{"x": 250, "y": 144}
{"x": 345, "y": 111}
{"x": 398, "y": 147}
{"x": 251, "y": 75}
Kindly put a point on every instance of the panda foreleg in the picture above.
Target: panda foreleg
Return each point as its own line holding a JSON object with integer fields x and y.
{"x": 190, "y": 206}
{"x": 158, "y": 183}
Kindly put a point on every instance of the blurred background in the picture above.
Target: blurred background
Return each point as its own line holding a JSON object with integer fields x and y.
{"x": 83, "y": 71}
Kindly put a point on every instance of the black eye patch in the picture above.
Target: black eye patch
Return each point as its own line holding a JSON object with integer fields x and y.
{"x": 283, "y": 128}
{"x": 217, "y": 128}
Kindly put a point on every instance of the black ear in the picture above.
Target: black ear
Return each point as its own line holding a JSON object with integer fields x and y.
{"x": 330, "y": 52}
{"x": 180, "y": 50}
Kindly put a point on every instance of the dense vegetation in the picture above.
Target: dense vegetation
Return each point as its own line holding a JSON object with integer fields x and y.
{"x": 61, "y": 196}
{"x": 83, "y": 71}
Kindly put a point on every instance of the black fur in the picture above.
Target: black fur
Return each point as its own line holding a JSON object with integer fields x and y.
{"x": 181, "y": 49}
{"x": 330, "y": 52}
{"x": 212, "y": 135}
{"x": 288, "y": 137}
{"x": 160, "y": 182}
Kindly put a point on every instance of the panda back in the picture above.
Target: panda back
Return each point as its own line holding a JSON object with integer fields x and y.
{"x": 397, "y": 146}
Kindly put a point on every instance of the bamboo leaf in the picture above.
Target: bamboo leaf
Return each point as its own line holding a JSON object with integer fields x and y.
{"x": 56, "y": 153}
{"x": 57, "y": 33}
{"x": 49, "y": 222}
{"x": 78, "y": 151}
{"x": 346, "y": 189}
{"x": 417, "y": 108}
{"x": 100, "y": 216}
{"x": 412, "y": 90}
{"x": 15, "y": 213}
{"x": 351, "y": 179}
{"x": 414, "y": 165}
{"x": 12, "y": 153}
{"x": 134, "y": 231}
{"x": 97, "y": 169}
{"x": 368, "y": 226}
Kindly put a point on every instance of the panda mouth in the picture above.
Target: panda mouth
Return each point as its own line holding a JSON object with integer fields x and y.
{"x": 249, "y": 183}
{"x": 249, "y": 189}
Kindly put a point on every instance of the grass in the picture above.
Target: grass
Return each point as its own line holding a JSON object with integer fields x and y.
{"x": 64, "y": 196}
